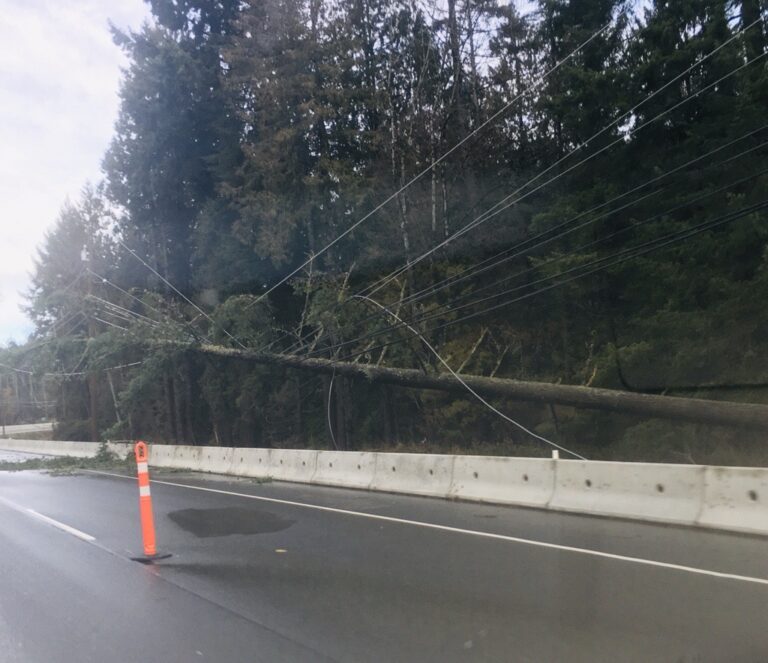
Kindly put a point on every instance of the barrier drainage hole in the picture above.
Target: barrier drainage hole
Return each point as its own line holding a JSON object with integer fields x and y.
{"x": 358, "y": 467}
{"x": 588, "y": 483}
{"x": 281, "y": 462}
{"x": 659, "y": 488}
{"x": 393, "y": 469}
{"x": 330, "y": 464}
{"x": 431, "y": 472}
{"x": 475, "y": 474}
{"x": 525, "y": 477}
{"x": 303, "y": 462}
{"x": 241, "y": 459}
{"x": 752, "y": 495}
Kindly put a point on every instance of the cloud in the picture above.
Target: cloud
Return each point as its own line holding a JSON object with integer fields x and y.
{"x": 59, "y": 79}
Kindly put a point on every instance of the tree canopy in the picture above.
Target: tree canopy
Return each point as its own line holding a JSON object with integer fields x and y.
{"x": 575, "y": 194}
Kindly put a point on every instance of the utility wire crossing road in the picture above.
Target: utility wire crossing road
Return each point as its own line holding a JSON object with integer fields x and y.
{"x": 282, "y": 572}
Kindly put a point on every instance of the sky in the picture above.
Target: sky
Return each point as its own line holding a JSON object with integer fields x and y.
{"x": 59, "y": 80}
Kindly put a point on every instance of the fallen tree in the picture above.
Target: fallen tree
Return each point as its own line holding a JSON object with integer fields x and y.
{"x": 722, "y": 413}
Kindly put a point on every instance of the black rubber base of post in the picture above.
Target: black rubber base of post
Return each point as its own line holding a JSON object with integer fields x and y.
{"x": 151, "y": 559}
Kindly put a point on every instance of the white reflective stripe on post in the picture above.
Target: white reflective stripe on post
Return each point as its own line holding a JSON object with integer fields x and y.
{"x": 142, "y": 467}
{"x": 143, "y": 491}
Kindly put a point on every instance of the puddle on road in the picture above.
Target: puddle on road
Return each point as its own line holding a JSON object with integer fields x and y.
{"x": 205, "y": 523}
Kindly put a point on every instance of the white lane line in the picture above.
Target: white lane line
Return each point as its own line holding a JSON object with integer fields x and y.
{"x": 458, "y": 530}
{"x": 62, "y": 526}
{"x": 50, "y": 521}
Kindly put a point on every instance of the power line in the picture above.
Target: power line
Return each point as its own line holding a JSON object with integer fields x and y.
{"x": 589, "y": 244}
{"x": 180, "y": 325}
{"x": 108, "y": 368}
{"x": 464, "y": 383}
{"x": 449, "y": 306}
{"x": 70, "y": 373}
{"x": 125, "y": 314}
{"x": 45, "y": 341}
{"x": 504, "y": 203}
{"x": 426, "y": 170}
{"x": 631, "y": 253}
{"x": 599, "y": 265}
{"x": 16, "y": 370}
{"x": 181, "y": 294}
{"x": 474, "y": 271}
{"x": 496, "y": 260}
{"x": 68, "y": 286}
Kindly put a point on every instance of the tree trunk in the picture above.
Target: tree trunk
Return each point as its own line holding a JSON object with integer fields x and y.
{"x": 177, "y": 410}
{"x": 188, "y": 396}
{"x": 433, "y": 181}
{"x": 92, "y": 386}
{"x": 339, "y": 399}
{"x": 298, "y": 411}
{"x": 454, "y": 41}
{"x": 446, "y": 223}
{"x": 472, "y": 55}
{"x": 170, "y": 419}
{"x": 754, "y": 37}
{"x": 725, "y": 413}
{"x": 390, "y": 415}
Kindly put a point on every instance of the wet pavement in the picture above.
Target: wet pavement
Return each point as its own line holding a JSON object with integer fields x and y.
{"x": 289, "y": 572}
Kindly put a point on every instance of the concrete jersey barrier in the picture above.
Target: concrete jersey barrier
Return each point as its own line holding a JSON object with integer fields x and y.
{"x": 735, "y": 498}
{"x": 292, "y": 465}
{"x": 503, "y": 480}
{"x": 646, "y": 491}
{"x": 51, "y": 447}
{"x": 727, "y": 498}
{"x": 415, "y": 474}
{"x": 348, "y": 469}
{"x": 253, "y": 463}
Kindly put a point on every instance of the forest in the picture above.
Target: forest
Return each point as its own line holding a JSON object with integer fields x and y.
{"x": 556, "y": 192}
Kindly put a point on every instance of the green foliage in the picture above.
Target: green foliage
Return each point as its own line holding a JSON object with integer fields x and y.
{"x": 244, "y": 318}
{"x": 64, "y": 465}
{"x": 252, "y": 134}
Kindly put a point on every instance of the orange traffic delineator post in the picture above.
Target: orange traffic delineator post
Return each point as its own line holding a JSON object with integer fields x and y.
{"x": 145, "y": 506}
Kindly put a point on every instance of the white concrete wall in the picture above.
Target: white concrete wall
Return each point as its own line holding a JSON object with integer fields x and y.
{"x": 349, "y": 469}
{"x": 51, "y": 447}
{"x": 728, "y": 498}
{"x": 735, "y": 498}
{"x": 292, "y": 465}
{"x": 417, "y": 474}
{"x": 648, "y": 491}
{"x": 252, "y": 463}
{"x": 162, "y": 455}
{"x": 504, "y": 480}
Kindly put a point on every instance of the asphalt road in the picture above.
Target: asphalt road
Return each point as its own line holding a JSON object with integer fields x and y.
{"x": 284, "y": 572}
